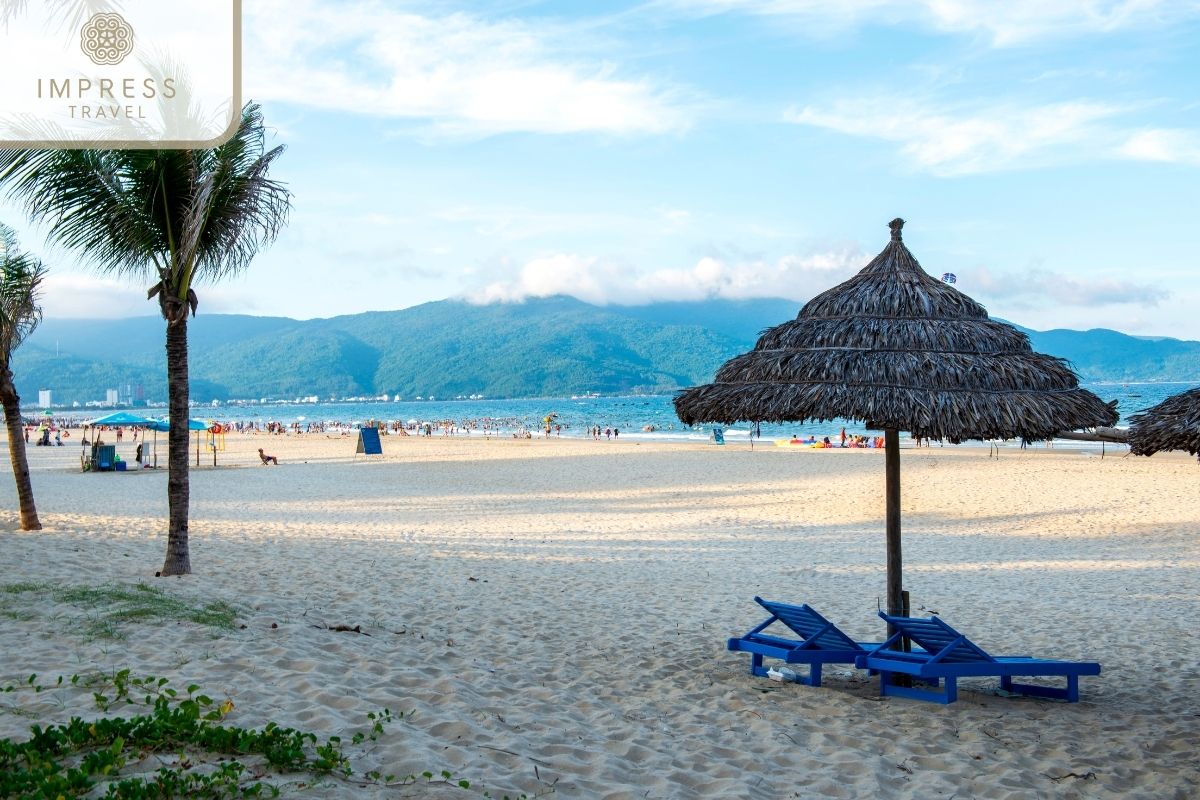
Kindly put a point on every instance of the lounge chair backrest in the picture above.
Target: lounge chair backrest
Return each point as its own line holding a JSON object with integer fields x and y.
{"x": 934, "y": 636}
{"x": 810, "y": 626}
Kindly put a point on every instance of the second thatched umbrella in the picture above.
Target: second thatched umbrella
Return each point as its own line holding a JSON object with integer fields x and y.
{"x": 899, "y": 351}
{"x": 1173, "y": 424}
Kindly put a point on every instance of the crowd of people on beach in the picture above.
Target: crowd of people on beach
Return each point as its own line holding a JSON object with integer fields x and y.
{"x": 845, "y": 440}
{"x": 53, "y": 431}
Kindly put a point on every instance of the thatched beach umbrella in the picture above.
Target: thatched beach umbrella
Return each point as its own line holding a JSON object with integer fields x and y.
{"x": 900, "y": 351}
{"x": 1173, "y": 424}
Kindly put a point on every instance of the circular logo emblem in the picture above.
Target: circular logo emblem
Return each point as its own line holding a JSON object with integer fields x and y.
{"x": 107, "y": 39}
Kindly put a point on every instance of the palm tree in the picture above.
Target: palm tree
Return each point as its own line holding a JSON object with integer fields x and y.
{"x": 174, "y": 217}
{"x": 20, "y": 276}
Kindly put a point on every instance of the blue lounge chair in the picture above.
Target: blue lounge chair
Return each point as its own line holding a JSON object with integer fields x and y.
{"x": 946, "y": 655}
{"x": 821, "y": 642}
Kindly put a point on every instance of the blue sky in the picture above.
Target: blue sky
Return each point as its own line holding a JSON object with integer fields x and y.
{"x": 1047, "y": 153}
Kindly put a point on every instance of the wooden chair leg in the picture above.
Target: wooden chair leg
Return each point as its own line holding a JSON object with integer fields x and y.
{"x": 814, "y": 675}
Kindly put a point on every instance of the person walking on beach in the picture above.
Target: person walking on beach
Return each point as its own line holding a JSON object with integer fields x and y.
{"x": 843, "y": 437}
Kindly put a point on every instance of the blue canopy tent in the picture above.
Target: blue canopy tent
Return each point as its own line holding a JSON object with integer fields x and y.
{"x": 164, "y": 425}
{"x": 116, "y": 418}
{"x": 121, "y": 418}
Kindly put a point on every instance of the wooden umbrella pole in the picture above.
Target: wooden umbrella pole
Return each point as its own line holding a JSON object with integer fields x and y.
{"x": 896, "y": 599}
{"x": 895, "y": 602}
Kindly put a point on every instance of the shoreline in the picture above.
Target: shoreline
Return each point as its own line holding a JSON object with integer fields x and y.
{"x": 736, "y": 438}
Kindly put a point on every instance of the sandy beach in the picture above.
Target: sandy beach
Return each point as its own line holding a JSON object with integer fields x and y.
{"x": 551, "y": 616}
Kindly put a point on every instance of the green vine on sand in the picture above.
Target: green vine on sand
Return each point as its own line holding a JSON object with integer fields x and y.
{"x": 78, "y": 758}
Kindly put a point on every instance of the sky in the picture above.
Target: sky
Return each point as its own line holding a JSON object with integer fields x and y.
{"x": 1047, "y": 153}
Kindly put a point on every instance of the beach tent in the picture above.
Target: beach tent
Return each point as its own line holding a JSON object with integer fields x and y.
{"x": 1173, "y": 424}
{"x": 121, "y": 418}
{"x": 164, "y": 425}
{"x": 899, "y": 350}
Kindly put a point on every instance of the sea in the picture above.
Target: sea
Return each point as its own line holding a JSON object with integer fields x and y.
{"x": 636, "y": 417}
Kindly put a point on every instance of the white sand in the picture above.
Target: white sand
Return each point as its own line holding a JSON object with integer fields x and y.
{"x": 555, "y": 613}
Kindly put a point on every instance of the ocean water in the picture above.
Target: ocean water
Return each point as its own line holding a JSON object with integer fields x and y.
{"x": 630, "y": 415}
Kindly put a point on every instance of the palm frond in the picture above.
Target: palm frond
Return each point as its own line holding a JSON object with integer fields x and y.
{"x": 173, "y": 216}
{"x": 21, "y": 276}
{"x": 236, "y": 209}
{"x": 87, "y": 200}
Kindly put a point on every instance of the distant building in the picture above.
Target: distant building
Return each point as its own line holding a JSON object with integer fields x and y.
{"x": 110, "y": 397}
{"x": 129, "y": 394}
{"x": 45, "y": 398}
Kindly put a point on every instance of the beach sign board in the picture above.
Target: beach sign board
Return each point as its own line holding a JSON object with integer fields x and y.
{"x": 368, "y": 442}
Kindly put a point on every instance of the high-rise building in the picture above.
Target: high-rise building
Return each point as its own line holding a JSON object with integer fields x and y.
{"x": 110, "y": 397}
{"x": 45, "y": 398}
{"x": 131, "y": 394}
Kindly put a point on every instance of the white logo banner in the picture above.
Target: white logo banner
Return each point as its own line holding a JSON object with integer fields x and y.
{"x": 119, "y": 73}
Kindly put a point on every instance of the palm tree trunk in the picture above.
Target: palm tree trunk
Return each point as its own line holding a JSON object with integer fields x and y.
{"x": 178, "y": 561}
{"x": 16, "y": 452}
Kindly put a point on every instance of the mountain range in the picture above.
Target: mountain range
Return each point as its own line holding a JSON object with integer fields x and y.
{"x": 553, "y": 346}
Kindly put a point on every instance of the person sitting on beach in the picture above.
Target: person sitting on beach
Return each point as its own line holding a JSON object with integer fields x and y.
{"x": 266, "y": 459}
{"x": 826, "y": 442}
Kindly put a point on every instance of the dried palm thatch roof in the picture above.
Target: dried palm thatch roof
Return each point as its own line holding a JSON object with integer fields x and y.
{"x": 896, "y": 348}
{"x": 1173, "y": 424}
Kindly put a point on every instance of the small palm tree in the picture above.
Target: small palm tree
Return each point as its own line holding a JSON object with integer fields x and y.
{"x": 20, "y": 276}
{"x": 174, "y": 217}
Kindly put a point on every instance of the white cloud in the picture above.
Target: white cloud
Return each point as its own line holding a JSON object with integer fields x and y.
{"x": 460, "y": 74}
{"x": 1021, "y": 295}
{"x": 603, "y": 281}
{"x": 74, "y": 294}
{"x": 675, "y": 218}
{"x": 959, "y": 141}
{"x": 81, "y": 295}
{"x": 1041, "y": 288}
{"x": 1162, "y": 144}
{"x": 1005, "y": 23}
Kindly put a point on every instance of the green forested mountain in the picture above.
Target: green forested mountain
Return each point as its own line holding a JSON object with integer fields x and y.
{"x": 545, "y": 347}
